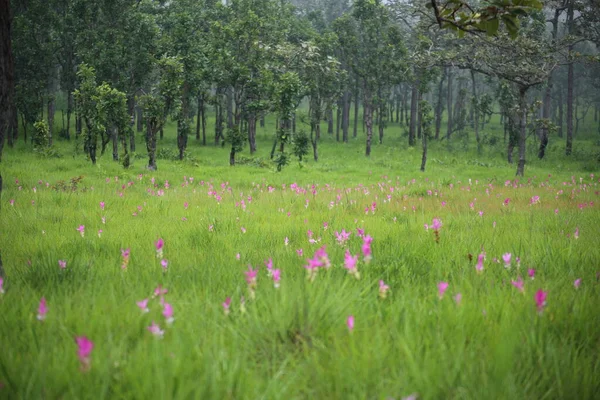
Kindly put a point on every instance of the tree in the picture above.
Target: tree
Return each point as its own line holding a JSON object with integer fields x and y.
{"x": 6, "y": 75}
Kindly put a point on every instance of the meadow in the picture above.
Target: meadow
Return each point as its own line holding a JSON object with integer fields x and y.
{"x": 350, "y": 278}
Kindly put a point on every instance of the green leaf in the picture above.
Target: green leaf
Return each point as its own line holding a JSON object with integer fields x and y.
{"x": 491, "y": 27}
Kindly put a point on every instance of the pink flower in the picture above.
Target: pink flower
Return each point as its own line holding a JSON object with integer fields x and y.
{"x": 276, "y": 277}
{"x": 155, "y": 330}
{"x": 436, "y": 224}
{"x": 81, "y": 230}
{"x": 534, "y": 200}
{"x": 286, "y": 241}
{"x": 480, "y": 259}
{"x": 383, "y": 289}
{"x": 540, "y": 300}
{"x": 576, "y": 234}
{"x": 366, "y": 248}
{"x": 159, "y": 291}
{"x": 269, "y": 265}
{"x": 506, "y": 202}
{"x": 168, "y": 313}
{"x": 62, "y": 264}
{"x": 577, "y": 283}
{"x": 350, "y": 264}
{"x": 243, "y": 229}
{"x": 458, "y": 298}
{"x": 251, "y": 276}
{"x": 12, "y": 202}
{"x": 185, "y": 205}
{"x": 238, "y": 256}
{"x": 321, "y": 255}
{"x": 84, "y": 349}
{"x": 226, "y": 305}
{"x": 426, "y": 227}
{"x": 100, "y": 233}
{"x": 42, "y": 309}
{"x": 506, "y": 257}
{"x": 299, "y": 252}
{"x": 442, "y": 287}
{"x": 342, "y": 237}
{"x": 102, "y": 205}
{"x": 125, "y": 254}
{"x": 143, "y": 305}
{"x": 531, "y": 273}
{"x": 519, "y": 284}
{"x": 1, "y": 285}
{"x": 360, "y": 232}
{"x": 159, "y": 248}
{"x": 165, "y": 264}
{"x": 350, "y": 322}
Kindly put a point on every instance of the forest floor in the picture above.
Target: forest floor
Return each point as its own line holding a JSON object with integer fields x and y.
{"x": 500, "y": 301}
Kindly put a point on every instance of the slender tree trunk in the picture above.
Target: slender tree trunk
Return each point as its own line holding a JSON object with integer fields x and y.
{"x": 330, "y": 122}
{"x": 449, "y": 103}
{"x": 131, "y": 110}
{"x": 405, "y": 106}
{"x": 419, "y": 116}
{"x": 570, "y": 84}
{"x": 356, "y": 107}
{"x": 368, "y": 112}
{"x": 115, "y": 143}
{"x": 252, "y": 132}
{"x": 439, "y": 109}
{"x": 51, "y": 111}
{"x": 413, "y": 113}
{"x": 475, "y": 111}
{"x": 69, "y": 112}
{"x": 13, "y": 130}
{"x": 522, "y": 130}
{"x": 546, "y": 118}
{"x": 314, "y": 140}
{"x": 424, "y": 156}
{"x": 345, "y": 116}
{"x": 199, "y": 116}
{"x": 151, "y": 144}
{"x": 140, "y": 120}
{"x": 24, "y": 124}
{"x": 338, "y": 121}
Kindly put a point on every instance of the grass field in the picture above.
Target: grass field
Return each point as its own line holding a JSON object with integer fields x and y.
{"x": 481, "y": 338}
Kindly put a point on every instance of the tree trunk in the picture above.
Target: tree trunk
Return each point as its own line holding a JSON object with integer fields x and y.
{"x": 475, "y": 111}
{"x": 405, "y": 106}
{"x": 424, "y": 156}
{"x": 69, "y": 112}
{"x": 330, "y": 122}
{"x": 131, "y": 108}
{"x": 13, "y": 130}
{"x": 151, "y": 144}
{"x": 338, "y": 121}
{"x": 140, "y": 120}
{"x": 51, "y": 110}
{"x": 115, "y": 143}
{"x": 368, "y": 111}
{"x": 314, "y": 141}
{"x": 345, "y": 116}
{"x": 522, "y": 130}
{"x": 252, "y": 132}
{"x": 439, "y": 109}
{"x": 356, "y": 107}
{"x": 199, "y": 116}
{"x": 570, "y": 84}
{"x": 546, "y": 118}
{"x": 449, "y": 103}
{"x": 413, "y": 113}
{"x": 232, "y": 157}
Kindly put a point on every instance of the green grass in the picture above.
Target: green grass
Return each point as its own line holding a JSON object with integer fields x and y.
{"x": 292, "y": 342}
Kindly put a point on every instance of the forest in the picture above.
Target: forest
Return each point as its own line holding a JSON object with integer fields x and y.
{"x": 299, "y": 199}
{"x": 103, "y": 72}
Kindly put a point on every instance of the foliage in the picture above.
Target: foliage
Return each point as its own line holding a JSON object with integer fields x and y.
{"x": 41, "y": 135}
{"x": 300, "y": 145}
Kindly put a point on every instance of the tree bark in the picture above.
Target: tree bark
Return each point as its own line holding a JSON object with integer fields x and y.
{"x": 439, "y": 109}
{"x": 475, "y": 111}
{"x": 449, "y": 103}
{"x": 131, "y": 110}
{"x": 522, "y": 130}
{"x": 51, "y": 110}
{"x": 345, "y": 116}
{"x": 252, "y": 132}
{"x": 356, "y": 107}
{"x": 368, "y": 112}
{"x": 330, "y": 122}
{"x": 115, "y": 143}
{"x": 570, "y": 84}
{"x": 338, "y": 121}
{"x": 413, "y": 113}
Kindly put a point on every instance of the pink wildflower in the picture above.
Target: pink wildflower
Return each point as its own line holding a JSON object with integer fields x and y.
{"x": 540, "y": 300}
{"x": 350, "y": 322}
{"x": 159, "y": 248}
{"x": 366, "y": 248}
{"x": 1, "y": 285}
{"x": 577, "y": 283}
{"x": 62, "y": 264}
{"x": 276, "y": 277}
{"x": 507, "y": 258}
{"x": 442, "y": 287}
{"x": 506, "y": 202}
{"x": 519, "y": 284}
{"x": 81, "y": 230}
{"x": 312, "y": 268}
{"x": 155, "y": 330}
{"x": 531, "y": 273}
{"x": 300, "y": 252}
{"x": 226, "y": 305}
{"x": 576, "y": 234}
{"x": 160, "y": 291}
{"x": 383, "y": 289}
{"x": 143, "y": 305}
{"x": 458, "y": 298}
{"x": 350, "y": 264}
{"x": 269, "y": 265}
{"x": 42, "y": 309}
{"x": 480, "y": 259}
{"x": 84, "y": 349}
{"x": 321, "y": 255}
{"x": 168, "y": 313}
{"x": 125, "y": 254}
{"x": 165, "y": 264}
{"x": 436, "y": 224}
{"x": 102, "y": 205}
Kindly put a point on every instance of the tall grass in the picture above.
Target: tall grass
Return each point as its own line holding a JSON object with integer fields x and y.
{"x": 292, "y": 341}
